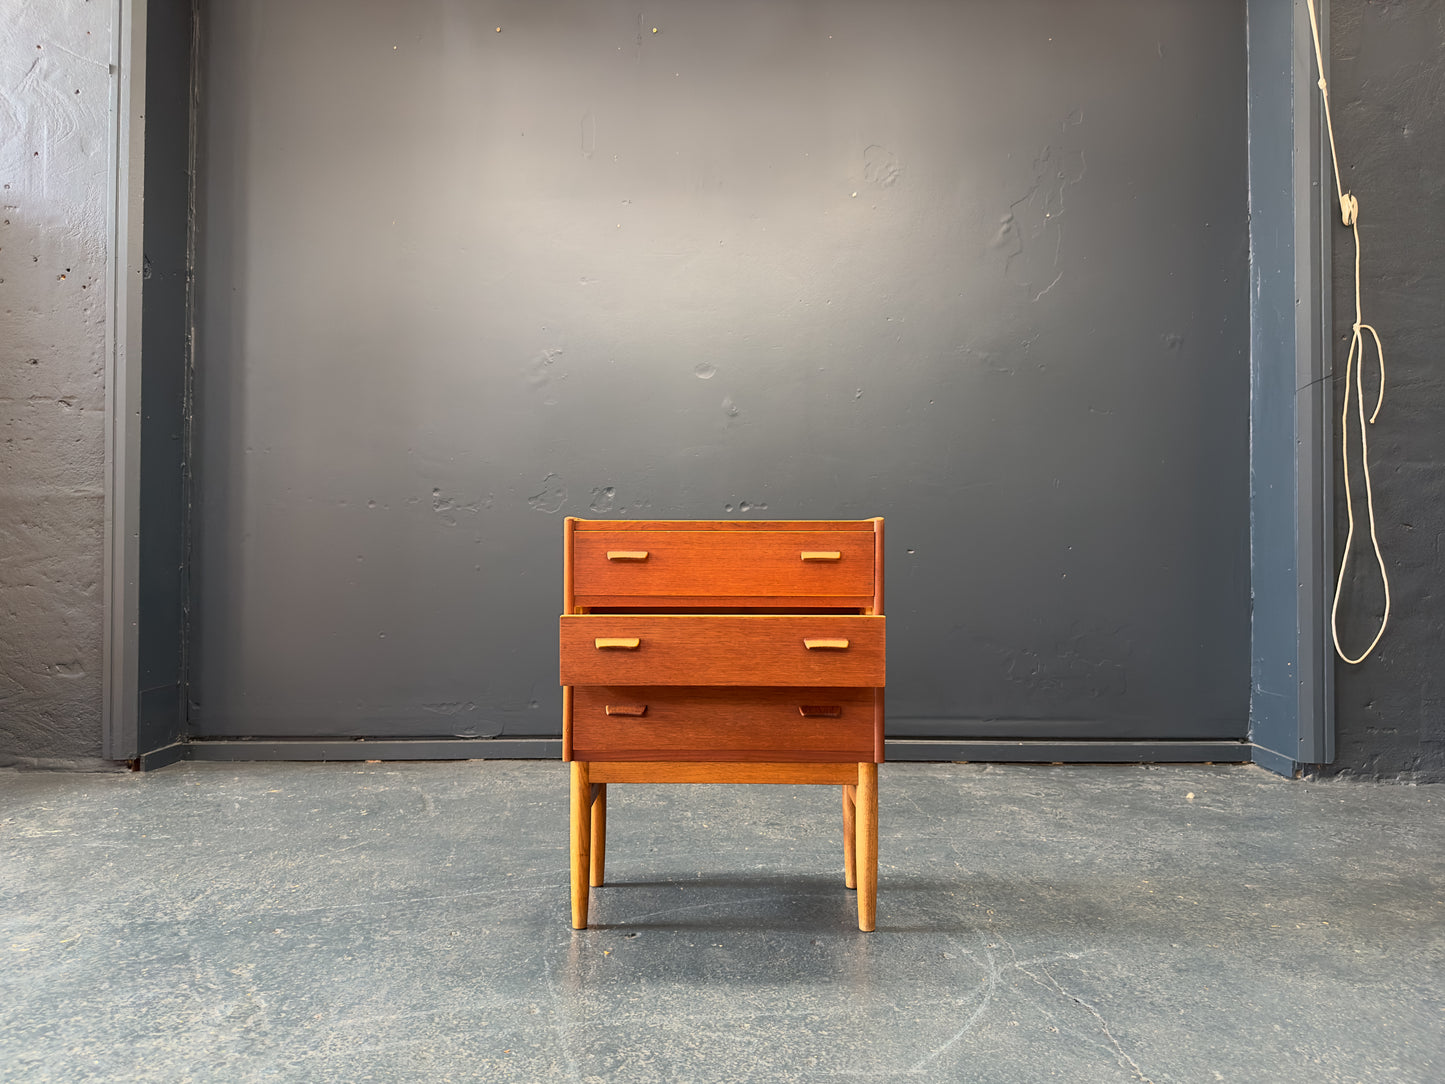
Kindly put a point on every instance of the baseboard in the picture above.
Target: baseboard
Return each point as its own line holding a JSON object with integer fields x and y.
{"x": 897, "y": 750}
{"x": 350, "y": 749}
{"x": 1275, "y": 762}
{"x": 1070, "y": 752}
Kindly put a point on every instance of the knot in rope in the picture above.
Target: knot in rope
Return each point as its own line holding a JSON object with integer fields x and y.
{"x": 1349, "y": 209}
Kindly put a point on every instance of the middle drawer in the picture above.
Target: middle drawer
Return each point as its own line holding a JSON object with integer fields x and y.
{"x": 722, "y": 649}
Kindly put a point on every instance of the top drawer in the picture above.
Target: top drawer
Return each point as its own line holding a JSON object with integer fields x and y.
{"x": 724, "y": 568}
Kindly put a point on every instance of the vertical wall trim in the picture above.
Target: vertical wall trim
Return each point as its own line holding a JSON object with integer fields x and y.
{"x": 1291, "y": 715}
{"x": 124, "y": 270}
{"x": 188, "y": 401}
{"x": 1315, "y": 400}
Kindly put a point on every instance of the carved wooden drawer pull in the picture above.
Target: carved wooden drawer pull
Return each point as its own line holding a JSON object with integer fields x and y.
{"x": 820, "y": 711}
{"x": 624, "y": 643}
{"x": 826, "y": 645}
{"x": 822, "y": 555}
{"x": 627, "y": 555}
{"x": 626, "y": 709}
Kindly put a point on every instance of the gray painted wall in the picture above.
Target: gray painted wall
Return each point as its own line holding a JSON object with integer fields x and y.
{"x": 54, "y": 136}
{"x": 977, "y": 268}
{"x": 1389, "y": 67}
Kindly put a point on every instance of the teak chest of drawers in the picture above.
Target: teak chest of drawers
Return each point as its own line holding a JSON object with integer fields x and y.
{"x": 707, "y": 651}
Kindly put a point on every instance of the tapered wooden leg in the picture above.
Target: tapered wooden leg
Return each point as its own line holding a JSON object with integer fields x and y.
{"x": 850, "y": 866}
{"x": 866, "y": 816}
{"x": 581, "y": 840}
{"x": 599, "y": 833}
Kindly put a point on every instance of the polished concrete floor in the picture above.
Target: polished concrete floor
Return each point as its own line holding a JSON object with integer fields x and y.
{"x": 409, "y": 922}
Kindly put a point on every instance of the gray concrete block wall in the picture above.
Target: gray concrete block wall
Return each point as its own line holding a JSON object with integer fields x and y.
{"x": 54, "y": 146}
{"x": 1388, "y": 66}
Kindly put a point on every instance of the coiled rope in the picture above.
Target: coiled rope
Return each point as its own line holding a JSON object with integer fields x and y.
{"x": 1354, "y": 367}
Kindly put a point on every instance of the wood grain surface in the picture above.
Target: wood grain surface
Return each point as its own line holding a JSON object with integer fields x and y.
{"x": 721, "y": 650}
{"x": 744, "y": 526}
{"x": 707, "y": 724}
{"x": 709, "y": 564}
{"x": 654, "y": 772}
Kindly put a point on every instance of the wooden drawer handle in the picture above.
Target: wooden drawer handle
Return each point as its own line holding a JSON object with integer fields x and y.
{"x": 621, "y": 643}
{"x": 826, "y": 645}
{"x": 822, "y": 555}
{"x": 820, "y": 711}
{"x": 626, "y": 709}
{"x": 627, "y": 555}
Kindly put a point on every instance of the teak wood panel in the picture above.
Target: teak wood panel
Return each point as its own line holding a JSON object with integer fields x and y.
{"x": 776, "y": 604}
{"x": 710, "y": 724}
{"x": 673, "y": 772}
{"x": 721, "y": 650}
{"x": 729, "y": 526}
{"x": 816, "y": 565}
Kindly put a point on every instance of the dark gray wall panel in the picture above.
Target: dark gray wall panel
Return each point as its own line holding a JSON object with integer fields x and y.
{"x": 164, "y": 346}
{"x": 978, "y": 268}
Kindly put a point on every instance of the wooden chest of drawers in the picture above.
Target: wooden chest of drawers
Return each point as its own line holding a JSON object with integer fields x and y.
{"x": 723, "y": 651}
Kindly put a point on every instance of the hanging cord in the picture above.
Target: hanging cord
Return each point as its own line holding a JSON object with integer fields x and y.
{"x": 1354, "y": 365}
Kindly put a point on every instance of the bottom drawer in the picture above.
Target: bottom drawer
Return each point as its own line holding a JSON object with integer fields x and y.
{"x": 634, "y": 722}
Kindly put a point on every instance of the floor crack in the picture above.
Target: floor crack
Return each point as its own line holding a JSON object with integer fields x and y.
{"x": 1054, "y": 985}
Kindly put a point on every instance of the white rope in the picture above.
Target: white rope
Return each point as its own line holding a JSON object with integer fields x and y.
{"x": 1354, "y": 365}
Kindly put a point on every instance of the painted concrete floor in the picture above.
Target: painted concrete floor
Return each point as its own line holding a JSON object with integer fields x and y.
{"x": 408, "y": 922}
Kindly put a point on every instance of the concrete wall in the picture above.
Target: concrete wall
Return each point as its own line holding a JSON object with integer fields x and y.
{"x": 54, "y": 125}
{"x": 1388, "y": 71}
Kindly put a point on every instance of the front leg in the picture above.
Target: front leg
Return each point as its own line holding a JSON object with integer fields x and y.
{"x": 581, "y": 840}
{"x": 866, "y": 817}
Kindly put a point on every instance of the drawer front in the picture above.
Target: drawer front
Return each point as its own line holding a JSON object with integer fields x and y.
{"x": 611, "y": 568}
{"x": 709, "y": 725}
{"x": 653, "y": 649}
